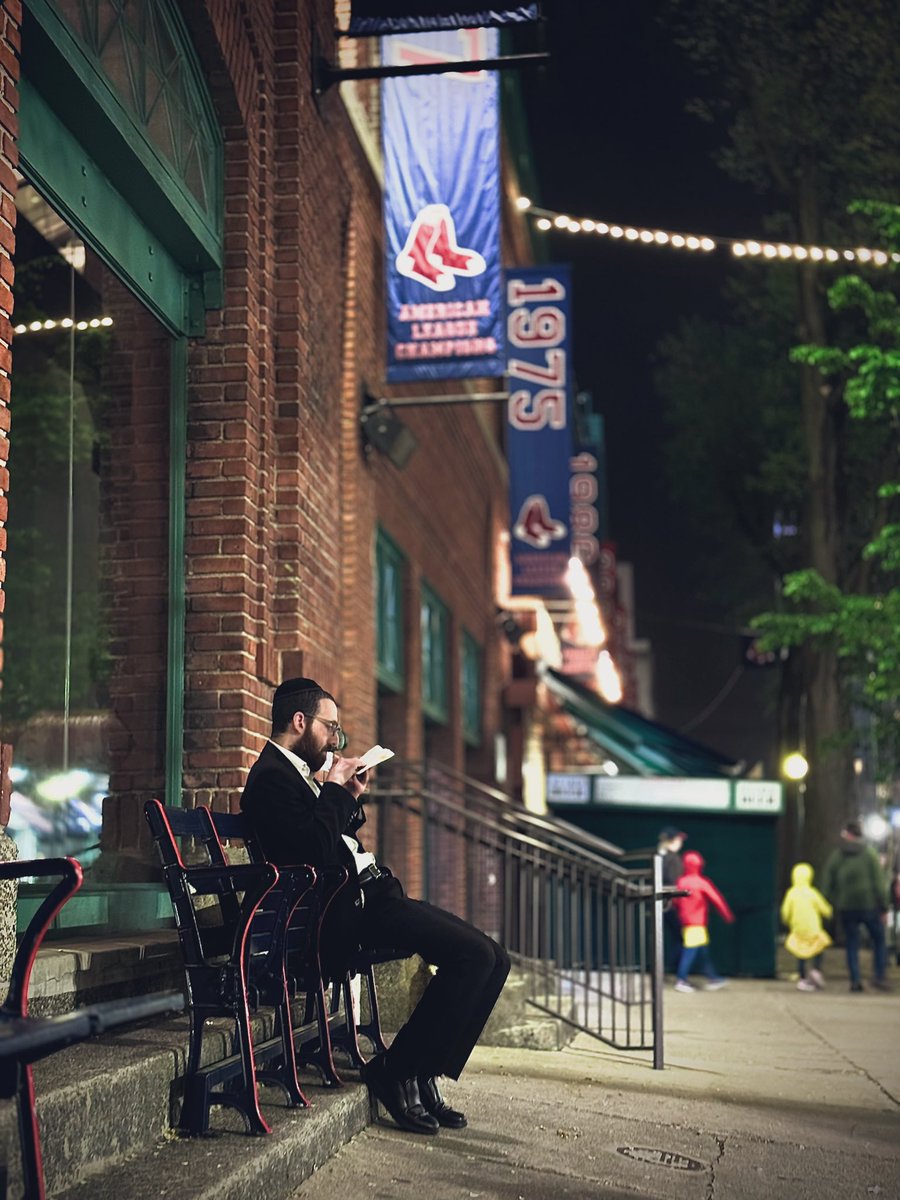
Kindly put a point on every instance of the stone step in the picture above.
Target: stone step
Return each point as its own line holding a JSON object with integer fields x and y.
{"x": 230, "y": 1165}
{"x": 107, "y": 1107}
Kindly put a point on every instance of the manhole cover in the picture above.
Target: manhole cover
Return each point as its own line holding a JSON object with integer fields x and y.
{"x": 661, "y": 1158}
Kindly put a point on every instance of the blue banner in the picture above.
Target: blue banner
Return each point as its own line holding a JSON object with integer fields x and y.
{"x": 370, "y": 18}
{"x": 539, "y": 429}
{"x": 584, "y": 488}
{"x": 442, "y": 211}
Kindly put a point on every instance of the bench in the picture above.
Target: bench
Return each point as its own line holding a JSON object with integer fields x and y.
{"x": 258, "y": 947}
{"x": 25, "y": 1040}
{"x": 231, "y": 921}
{"x": 336, "y": 1025}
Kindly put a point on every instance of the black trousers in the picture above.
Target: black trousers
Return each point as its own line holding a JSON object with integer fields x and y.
{"x": 672, "y": 940}
{"x": 471, "y": 970}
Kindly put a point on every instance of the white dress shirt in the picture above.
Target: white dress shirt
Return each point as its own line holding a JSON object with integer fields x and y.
{"x": 362, "y": 858}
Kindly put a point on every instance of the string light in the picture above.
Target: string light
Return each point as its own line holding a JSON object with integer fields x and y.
{"x": 63, "y": 323}
{"x": 546, "y": 219}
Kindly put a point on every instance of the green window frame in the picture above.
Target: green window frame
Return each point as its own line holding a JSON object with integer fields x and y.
{"x": 470, "y": 689}
{"x": 434, "y": 619}
{"x": 137, "y": 152}
{"x": 390, "y": 571}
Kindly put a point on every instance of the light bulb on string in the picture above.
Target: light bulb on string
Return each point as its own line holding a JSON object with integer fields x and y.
{"x": 546, "y": 219}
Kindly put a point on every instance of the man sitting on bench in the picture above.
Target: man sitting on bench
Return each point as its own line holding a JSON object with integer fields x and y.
{"x": 297, "y": 821}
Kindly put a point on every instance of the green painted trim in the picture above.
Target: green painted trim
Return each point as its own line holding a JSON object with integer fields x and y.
{"x": 389, "y": 554}
{"x": 435, "y": 699}
{"x": 471, "y": 687}
{"x": 388, "y": 679}
{"x": 120, "y": 907}
{"x": 54, "y": 161}
{"x": 177, "y": 588}
{"x": 55, "y": 61}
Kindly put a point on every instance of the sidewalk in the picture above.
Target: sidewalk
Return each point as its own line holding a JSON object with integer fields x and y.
{"x": 768, "y": 1093}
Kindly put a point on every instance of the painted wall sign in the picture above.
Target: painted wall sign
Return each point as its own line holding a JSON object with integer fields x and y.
{"x": 708, "y": 795}
{"x": 568, "y": 789}
{"x": 747, "y": 797}
{"x": 759, "y": 796}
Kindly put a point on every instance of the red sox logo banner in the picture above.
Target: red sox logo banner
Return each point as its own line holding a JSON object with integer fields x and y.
{"x": 442, "y": 210}
{"x": 539, "y": 434}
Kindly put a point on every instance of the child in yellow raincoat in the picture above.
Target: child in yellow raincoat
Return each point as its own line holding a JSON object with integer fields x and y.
{"x": 802, "y": 910}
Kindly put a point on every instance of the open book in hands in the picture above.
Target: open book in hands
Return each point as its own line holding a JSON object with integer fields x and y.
{"x": 371, "y": 758}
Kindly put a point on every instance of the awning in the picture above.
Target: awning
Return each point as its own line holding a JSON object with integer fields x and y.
{"x": 636, "y": 743}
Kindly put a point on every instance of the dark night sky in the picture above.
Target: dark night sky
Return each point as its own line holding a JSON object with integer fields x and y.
{"x": 611, "y": 140}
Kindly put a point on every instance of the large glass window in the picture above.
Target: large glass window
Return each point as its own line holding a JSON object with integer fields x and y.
{"x": 85, "y": 632}
{"x": 389, "y": 565}
{"x": 434, "y": 627}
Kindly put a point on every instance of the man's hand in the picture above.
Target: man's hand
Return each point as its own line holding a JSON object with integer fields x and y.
{"x": 344, "y": 771}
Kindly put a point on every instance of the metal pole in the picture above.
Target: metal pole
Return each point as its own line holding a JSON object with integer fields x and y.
{"x": 657, "y": 963}
{"x": 383, "y": 402}
{"x": 326, "y": 74}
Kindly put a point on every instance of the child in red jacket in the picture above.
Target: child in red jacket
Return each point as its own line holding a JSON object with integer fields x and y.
{"x": 693, "y": 912}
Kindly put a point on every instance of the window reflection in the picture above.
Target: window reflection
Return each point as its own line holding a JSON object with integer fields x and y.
{"x": 86, "y": 578}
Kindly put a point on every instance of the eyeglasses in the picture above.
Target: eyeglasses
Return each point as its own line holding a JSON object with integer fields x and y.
{"x": 334, "y": 727}
{"x": 334, "y": 730}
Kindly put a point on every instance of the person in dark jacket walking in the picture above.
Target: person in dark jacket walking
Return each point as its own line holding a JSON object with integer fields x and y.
{"x": 855, "y": 884}
{"x": 669, "y": 844}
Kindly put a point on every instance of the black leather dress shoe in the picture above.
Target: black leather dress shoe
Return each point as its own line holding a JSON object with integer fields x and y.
{"x": 435, "y": 1104}
{"x": 399, "y": 1096}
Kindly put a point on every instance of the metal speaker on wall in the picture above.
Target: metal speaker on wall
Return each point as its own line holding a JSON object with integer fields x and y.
{"x": 386, "y": 433}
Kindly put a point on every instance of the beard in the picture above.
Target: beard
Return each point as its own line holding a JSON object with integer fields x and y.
{"x": 312, "y": 753}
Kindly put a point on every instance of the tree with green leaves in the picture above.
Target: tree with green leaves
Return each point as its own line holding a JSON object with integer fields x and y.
{"x": 807, "y": 96}
{"x": 861, "y": 621}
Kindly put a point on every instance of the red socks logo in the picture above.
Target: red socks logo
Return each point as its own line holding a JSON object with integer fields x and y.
{"x": 431, "y": 254}
{"x": 535, "y": 526}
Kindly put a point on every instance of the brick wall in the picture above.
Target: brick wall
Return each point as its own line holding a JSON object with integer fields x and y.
{"x": 133, "y": 427}
{"x": 282, "y": 502}
{"x": 229, "y": 663}
{"x": 272, "y": 546}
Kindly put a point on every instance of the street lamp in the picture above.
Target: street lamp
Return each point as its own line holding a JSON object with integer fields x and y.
{"x": 794, "y": 766}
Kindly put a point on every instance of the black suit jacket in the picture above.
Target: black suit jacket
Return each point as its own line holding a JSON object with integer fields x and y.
{"x": 294, "y": 825}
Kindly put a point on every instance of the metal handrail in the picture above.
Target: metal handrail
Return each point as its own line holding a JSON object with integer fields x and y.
{"x": 525, "y": 839}
{"x": 510, "y": 813}
{"x": 582, "y": 918}
{"x": 575, "y": 834}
